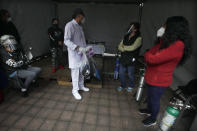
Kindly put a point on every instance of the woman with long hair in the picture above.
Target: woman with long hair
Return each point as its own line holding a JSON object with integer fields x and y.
{"x": 173, "y": 50}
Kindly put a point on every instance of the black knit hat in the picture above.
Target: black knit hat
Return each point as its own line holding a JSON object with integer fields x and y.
{"x": 2, "y": 13}
{"x": 54, "y": 19}
{"x": 78, "y": 11}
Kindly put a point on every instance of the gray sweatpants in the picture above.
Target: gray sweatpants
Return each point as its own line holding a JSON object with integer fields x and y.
{"x": 29, "y": 75}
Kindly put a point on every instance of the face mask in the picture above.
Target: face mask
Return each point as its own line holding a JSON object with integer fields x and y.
{"x": 160, "y": 32}
{"x": 83, "y": 21}
{"x": 9, "y": 19}
{"x": 56, "y": 25}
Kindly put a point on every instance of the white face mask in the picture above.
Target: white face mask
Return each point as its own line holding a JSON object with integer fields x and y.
{"x": 160, "y": 32}
{"x": 9, "y": 19}
{"x": 83, "y": 21}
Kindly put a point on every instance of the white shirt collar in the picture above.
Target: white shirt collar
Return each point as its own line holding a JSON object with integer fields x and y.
{"x": 75, "y": 22}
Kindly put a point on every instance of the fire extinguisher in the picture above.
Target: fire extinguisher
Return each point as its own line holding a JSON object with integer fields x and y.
{"x": 169, "y": 118}
{"x": 141, "y": 84}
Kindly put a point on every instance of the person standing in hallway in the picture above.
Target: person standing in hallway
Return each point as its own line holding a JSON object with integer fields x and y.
{"x": 173, "y": 50}
{"x": 74, "y": 39}
{"x": 129, "y": 48}
{"x": 56, "y": 37}
{"x": 7, "y": 27}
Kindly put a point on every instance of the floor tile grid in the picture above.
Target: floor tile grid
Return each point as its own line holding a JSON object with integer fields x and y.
{"x": 55, "y": 109}
{"x": 8, "y": 112}
{"x": 73, "y": 113}
{"x": 9, "y": 101}
{"x": 103, "y": 93}
{"x": 113, "y": 92}
{"x": 21, "y": 115}
{"x": 62, "y": 112}
{"x": 119, "y": 106}
{"x": 86, "y": 112}
{"x": 8, "y": 116}
{"x": 40, "y": 108}
{"x": 59, "y": 119}
{"x": 111, "y": 128}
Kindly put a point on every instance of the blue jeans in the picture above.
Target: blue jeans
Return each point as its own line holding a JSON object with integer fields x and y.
{"x": 29, "y": 75}
{"x": 131, "y": 70}
{"x": 154, "y": 94}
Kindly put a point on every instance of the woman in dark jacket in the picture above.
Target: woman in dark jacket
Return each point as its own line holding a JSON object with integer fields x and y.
{"x": 162, "y": 59}
{"x": 129, "y": 48}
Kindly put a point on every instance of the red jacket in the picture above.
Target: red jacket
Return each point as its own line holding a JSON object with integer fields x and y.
{"x": 162, "y": 63}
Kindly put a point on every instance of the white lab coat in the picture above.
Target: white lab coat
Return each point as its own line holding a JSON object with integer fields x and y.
{"x": 73, "y": 37}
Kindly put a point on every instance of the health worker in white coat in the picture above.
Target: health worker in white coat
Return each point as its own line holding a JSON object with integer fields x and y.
{"x": 74, "y": 39}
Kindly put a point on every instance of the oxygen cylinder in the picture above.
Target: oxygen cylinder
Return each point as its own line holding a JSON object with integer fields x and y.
{"x": 116, "y": 71}
{"x": 169, "y": 118}
{"x": 29, "y": 54}
{"x": 141, "y": 84}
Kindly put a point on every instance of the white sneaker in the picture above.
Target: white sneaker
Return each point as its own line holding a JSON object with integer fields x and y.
{"x": 129, "y": 89}
{"x": 84, "y": 89}
{"x": 120, "y": 89}
{"x": 77, "y": 95}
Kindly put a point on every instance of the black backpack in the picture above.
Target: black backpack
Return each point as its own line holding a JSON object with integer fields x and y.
{"x": 190, "y": 88}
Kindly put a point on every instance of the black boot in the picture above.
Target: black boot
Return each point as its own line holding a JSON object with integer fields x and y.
{"x": 35, "y": 84}
{"x": 149, "y": 122}
{"x": 25, "y": 94}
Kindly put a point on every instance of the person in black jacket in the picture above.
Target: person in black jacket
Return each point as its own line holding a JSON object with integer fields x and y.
{"x": 56, "y": 37}
{"x": 15, "y": 64}
{"x": 129, "y": 48}
{"x": 7, "y": 27}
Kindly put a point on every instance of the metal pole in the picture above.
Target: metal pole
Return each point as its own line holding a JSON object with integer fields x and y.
{"x": 140, "y": 12}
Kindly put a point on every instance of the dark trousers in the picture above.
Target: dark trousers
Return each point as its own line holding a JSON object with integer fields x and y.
{"x": 3, "y": 79}
{"x": 154, "y": 94}
{"x": 57, "y": 56}
{"x": 3, "y": 83}
{"x": 131, "y": 70}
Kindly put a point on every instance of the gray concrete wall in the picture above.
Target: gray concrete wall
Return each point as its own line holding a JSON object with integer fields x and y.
{"x": 32, "y": 18}
{"x": 104, "y": 22}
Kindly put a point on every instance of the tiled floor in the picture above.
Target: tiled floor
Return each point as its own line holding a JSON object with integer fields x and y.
{"x": 52, "y": 107}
